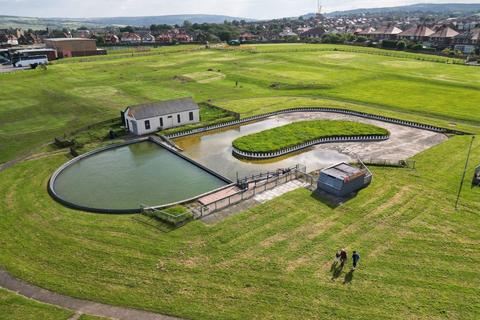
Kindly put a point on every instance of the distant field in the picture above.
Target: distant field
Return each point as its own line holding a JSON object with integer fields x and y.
{"x": 37, "y": 105}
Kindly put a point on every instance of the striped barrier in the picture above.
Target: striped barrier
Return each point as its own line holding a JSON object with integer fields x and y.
{"x": 268, "y": 155}
{"x": 313, "y": 109}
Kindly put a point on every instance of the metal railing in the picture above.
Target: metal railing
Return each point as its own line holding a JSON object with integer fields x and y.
{"x": 252, "y": 186}
{"x": 313, "y": 109}
{"x": 267, "y": 155}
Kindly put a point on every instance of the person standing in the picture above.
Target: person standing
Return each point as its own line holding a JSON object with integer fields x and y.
{"x": 343, "y": 257}
{"x": 355, "y": 259}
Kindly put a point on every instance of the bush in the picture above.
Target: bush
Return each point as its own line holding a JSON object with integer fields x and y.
{"x": 389, "y": 44}
{"x": 361, "y": 39}
{"x": 417, "y": 47}
{"x": 401, "y": 45}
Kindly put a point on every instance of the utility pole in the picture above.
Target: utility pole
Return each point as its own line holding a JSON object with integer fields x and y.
{"x": 319, "y": 8}
{"x": 464, "y": 172}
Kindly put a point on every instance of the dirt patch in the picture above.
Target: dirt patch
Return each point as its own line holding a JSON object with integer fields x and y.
{"x": 404, "y": 64}
{"x": 299, "y": 262}
{"x": 272, "y": 240}
{"x": 339, "y": 56}
{"x": 205, "y": 76}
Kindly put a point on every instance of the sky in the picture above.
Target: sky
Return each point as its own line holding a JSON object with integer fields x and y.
{"x": 257, "y": 9}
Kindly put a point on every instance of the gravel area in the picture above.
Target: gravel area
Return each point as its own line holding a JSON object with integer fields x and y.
{"x": 404, "y": 142}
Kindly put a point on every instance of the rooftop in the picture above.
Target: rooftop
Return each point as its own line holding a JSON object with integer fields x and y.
{"x": 69, "y": 39}
{"x": 162, "y": 108}
{"x": 446, "y": 32}
{"x": 342, "y": 171}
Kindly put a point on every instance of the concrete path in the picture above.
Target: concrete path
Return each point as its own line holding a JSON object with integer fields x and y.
{"x": 280, "y": 190}
{"x": 254, "y": 201}
{"x": 78, "y": 305}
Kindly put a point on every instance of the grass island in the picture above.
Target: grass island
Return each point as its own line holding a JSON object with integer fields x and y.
{"x": 293, "y": 134}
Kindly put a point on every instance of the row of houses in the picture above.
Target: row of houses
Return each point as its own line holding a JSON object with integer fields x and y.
{"x": 174, "y": 35}
{"x": 440, "y": 37}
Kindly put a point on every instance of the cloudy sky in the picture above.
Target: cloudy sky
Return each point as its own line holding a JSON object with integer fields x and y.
{"x": 241, "y": 8}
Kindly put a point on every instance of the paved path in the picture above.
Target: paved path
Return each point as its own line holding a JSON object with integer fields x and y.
{"x": 254, "y": 201}
{"x": 280, "y": 190}
{"x": 78, "y": 305}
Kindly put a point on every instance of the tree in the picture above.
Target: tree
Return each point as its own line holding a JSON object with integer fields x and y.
{"x": 127, "y": 29}
{"x": 225, "y": 35}
{"x": 187, "y": 25}
{"x": 361, "y": 39}
{"x": 99, "y": 39}
{"x": 401, "y": 45}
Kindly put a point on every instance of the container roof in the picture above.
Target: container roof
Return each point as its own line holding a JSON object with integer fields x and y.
{"x": 342, "y": 171}
{"x": 69, "y": 39}
{"x": 162, "y": 108}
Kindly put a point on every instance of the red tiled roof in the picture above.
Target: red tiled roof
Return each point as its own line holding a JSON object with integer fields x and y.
{"x": 445, "y": 32}
{"x": 419, "y": 31}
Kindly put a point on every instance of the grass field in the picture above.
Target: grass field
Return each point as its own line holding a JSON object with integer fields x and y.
{"x": 420, "y": 257}
{"x": 15, "y": 307}
{"x": 37, "y": 105}
{"x": 300, "y": 132}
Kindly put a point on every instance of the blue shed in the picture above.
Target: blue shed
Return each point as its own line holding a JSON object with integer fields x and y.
{"x": 476, "y": 176}
{"x": 343, "y": 179}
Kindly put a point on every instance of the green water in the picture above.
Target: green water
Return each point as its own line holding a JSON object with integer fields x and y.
{"x": 134, "y": 175}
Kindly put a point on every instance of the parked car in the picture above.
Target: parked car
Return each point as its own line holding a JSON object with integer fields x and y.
{"x": 4, "y": 61}
{"x": 30, "y": 61}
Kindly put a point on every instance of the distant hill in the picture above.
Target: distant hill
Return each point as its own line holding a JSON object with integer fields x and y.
{"x": 42, "y": 23}
{"x": 459, "y": 8}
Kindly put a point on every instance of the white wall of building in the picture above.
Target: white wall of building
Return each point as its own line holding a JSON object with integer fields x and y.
{"x": 169, "y": 121}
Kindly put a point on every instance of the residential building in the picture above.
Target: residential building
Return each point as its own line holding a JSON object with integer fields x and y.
{"x": 314, "y": 33}
{"x": 247, "y": 36}
{"x": 386, "y": 33}
{"x": 111, "y": 38}
{"x": 443, "y": 37}
{"x": 419, "y": 33}
{"x": 152, "y": 117}
{"x": 131, "y": 38}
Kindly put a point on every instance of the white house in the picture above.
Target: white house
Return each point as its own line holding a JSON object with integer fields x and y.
{"x": 152, "y": 117}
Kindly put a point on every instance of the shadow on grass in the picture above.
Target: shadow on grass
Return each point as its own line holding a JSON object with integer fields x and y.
{"x": 330, "y": 200}
{"x": 337, "y": 270}
{"x": 348, "y": 277}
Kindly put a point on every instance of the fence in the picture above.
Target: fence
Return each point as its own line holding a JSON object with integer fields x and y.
{"x": 267, "y": 155}
{"x": 254, "y": 185}
{"x": 314, "y": 109}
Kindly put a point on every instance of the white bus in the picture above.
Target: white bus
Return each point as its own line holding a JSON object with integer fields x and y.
{"x": 28, "y": 61}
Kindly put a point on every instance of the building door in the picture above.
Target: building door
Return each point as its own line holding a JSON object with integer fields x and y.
{"x": 134, "y": 127}
{"x": 169, "y": 123}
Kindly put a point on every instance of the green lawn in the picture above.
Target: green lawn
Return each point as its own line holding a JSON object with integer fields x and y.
{"x": 37, "y": 105}
{"x": 419, "y": 257}
{"x": 296, "y": 133}
{"x": 16, "y": 307}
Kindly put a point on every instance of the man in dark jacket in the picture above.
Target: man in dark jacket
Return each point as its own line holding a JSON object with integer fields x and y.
{"x": 355, "y": 259}
{"x": 343, "y": 257}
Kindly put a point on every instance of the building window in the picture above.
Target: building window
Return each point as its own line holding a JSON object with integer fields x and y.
{"x": 147, "y": 124}
{"x": 161, "y": 122}
{"x": 178, "y": 118}
{"x": 190, "y": 116}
